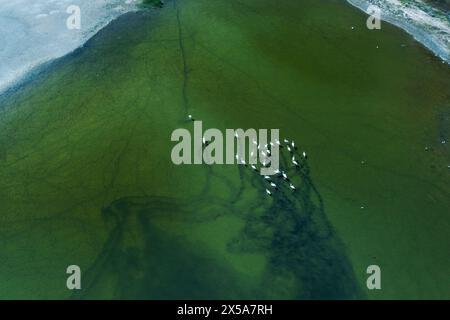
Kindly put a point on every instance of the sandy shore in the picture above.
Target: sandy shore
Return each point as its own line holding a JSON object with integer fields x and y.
{"x": 426, "y": 24}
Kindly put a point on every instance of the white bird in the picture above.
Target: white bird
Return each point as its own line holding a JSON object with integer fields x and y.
{"x": 253, "y": 167}
{"x": 292, "y": 186}
{"x": 251, "y": 154}
{"x": 304, "y": 155}
{"x": 295, "y": 163}
{"x": 243, "y": 162}
{"x": 293, "y": 144}
{"x": 268, "y": 192}
{"x": 267, "y": 178}
{"x": 286, "y": 141}
{"x": 268, "y": 152}
{"x": 277, "y": 171}
{"x": 254, "y": 142}
{"x": 284, "y": 175}
{"x": 236, "y": 135}
{"x": 263, "y": 153}
{"x": 277, "y": 142}
{"x": 289, "y": 148}
{"x": 237, "y": 157}
{"x": 204, "y": 140}
{"x": 190, "y": 117}
{"x": 273, "y": 185}
{"x": 271, "y": 144}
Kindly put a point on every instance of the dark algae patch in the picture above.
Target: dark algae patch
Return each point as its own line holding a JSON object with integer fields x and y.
{"x": 153, "y": 3}
{"x": 86, "y": 176}
{"x": 305, "y": 259}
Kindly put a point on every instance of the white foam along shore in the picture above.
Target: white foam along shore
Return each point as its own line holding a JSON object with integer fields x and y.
{"x": 34, "y": 32}
{"x": 428, "y": 25}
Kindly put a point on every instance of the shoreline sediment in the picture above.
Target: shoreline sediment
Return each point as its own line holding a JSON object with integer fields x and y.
{"x": 438, "y": 42}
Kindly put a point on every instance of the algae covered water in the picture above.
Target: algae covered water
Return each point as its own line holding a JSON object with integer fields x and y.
{"x": 86, "y": 176}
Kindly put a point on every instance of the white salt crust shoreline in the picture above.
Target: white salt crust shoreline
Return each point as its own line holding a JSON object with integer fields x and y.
{"x": 431, "y": 29}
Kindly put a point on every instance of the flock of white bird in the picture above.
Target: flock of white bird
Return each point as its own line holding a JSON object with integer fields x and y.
{"x": 290, "y": 146}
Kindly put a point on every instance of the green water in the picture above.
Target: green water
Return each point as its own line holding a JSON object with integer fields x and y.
{"x": 86, "y": 176}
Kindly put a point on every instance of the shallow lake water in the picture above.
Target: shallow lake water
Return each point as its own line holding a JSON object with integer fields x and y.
{"x": 86, "y": 176}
